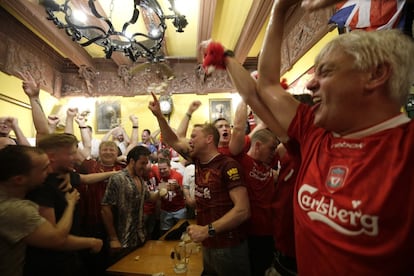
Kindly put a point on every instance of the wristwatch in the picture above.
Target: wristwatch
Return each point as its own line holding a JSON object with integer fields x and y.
{"x": 211, "y": 230}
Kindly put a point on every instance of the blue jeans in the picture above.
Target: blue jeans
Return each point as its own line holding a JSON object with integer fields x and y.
{"x": 169, "y": 219}
{"x": 226, "y": 261}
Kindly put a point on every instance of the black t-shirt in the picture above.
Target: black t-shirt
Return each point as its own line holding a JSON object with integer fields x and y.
{"x": 44, "y": 261}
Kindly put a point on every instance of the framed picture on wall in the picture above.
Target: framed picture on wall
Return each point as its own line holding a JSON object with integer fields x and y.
{"x": 220, "y": 108}
{"x": 108, "y": 115}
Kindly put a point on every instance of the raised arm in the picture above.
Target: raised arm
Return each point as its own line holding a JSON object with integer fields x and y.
{"x": 246, "y": 86}
{"x": 71, "y": 113}
{"x": 236, "y": 144}
{"x": 127, "y": 140}
{"x": 108, "y": 135}
{"x": 183, "y": 127}
{"x": 154, "y": 135}
{"x": 52, "y": 121}
{"x": 86, "y": 136}
{"x": 241, "y": 79}
{"x": 32, "y": 90}
{"x": 20, "y": 137}
{"x": 280, "y": 103}
{"x": 168, "y": 135}
{"x": 134, "y": 132}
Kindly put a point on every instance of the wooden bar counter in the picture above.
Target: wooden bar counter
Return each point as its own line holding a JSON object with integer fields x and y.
{"x": 155, "y": 257}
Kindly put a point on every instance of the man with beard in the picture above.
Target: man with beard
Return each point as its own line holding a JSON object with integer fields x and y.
{"x": 123, "y": 204}
{"x": 61, "y": 150}
{"x": 24, "y": 169}
{"x": 221, "y": 197}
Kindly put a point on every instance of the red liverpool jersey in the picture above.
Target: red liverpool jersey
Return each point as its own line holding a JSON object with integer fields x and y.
{"x": 354, "y": 199}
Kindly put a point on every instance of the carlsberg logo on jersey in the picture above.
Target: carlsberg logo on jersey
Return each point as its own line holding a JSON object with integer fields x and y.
{"x": 349, "y": 222}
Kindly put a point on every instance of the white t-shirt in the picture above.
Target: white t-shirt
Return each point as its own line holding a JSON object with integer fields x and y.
{"x": 189, "y": 179}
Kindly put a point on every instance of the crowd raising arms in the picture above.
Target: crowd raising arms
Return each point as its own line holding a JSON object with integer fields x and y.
{"x": 358, "y": 105}
{"x": 221, "y": 211}
{"x": 361, "y": 81}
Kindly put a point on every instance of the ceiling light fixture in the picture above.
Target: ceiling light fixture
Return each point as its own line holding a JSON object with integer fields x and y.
{"x": 99, "y": 29}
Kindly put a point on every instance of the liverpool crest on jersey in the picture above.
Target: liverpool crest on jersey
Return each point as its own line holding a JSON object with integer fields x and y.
{"x": 336, "y": 178}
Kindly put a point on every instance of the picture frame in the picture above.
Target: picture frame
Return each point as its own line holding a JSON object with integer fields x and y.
{"x": 108, "y": 115}
{"x": 220, "y": 108}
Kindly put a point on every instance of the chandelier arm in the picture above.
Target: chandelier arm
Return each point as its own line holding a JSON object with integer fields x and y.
{"x": 144, "y": 35}
{"x": 99, "y": 16}
{"x": 133, "y": 20}
{"x": 113, "y": 40}
{"x": 146, "y": 48}
{"x": 130, "y": 54}
{"x": 109, "y": 52}
{"x": 92, "y": 40}
{"x": 72, "y": 25}
{"x": 152, "y": 5}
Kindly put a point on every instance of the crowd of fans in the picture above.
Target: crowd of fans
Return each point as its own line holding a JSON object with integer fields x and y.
{"x": 311, "y": 189}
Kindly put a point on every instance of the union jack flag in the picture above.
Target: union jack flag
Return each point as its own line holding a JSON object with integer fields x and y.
{"x": 369, "y": 14}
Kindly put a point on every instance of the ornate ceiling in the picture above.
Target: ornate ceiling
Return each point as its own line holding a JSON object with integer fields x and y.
{"x": 30, "y": 42}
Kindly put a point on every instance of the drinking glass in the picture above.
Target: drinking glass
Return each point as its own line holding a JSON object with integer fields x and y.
{"x": 181, "y": 256}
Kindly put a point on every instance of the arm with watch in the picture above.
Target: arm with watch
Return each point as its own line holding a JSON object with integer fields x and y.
{"x": 233, "y": 218}
{"x": 86, "y": 137}
{"x": 134, "y": 133}
{"x": 182, "y": 128}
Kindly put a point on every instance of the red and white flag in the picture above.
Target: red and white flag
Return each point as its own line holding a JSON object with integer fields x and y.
{"x": 369, "y": 14}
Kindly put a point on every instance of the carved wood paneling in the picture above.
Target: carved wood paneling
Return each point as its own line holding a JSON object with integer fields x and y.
{"x": 303, "y": 31}
{"x": 35, "y": 14}
{"x": 25, "y": 51}
{"x": 107, "y": 83}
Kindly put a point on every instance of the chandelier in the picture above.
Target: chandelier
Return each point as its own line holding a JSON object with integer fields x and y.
{"x": 97, "y": 28}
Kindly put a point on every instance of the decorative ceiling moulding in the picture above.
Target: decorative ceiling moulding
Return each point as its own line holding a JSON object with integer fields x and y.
{"x": 35, "y": 15}
{"x": 107, "y": 82}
